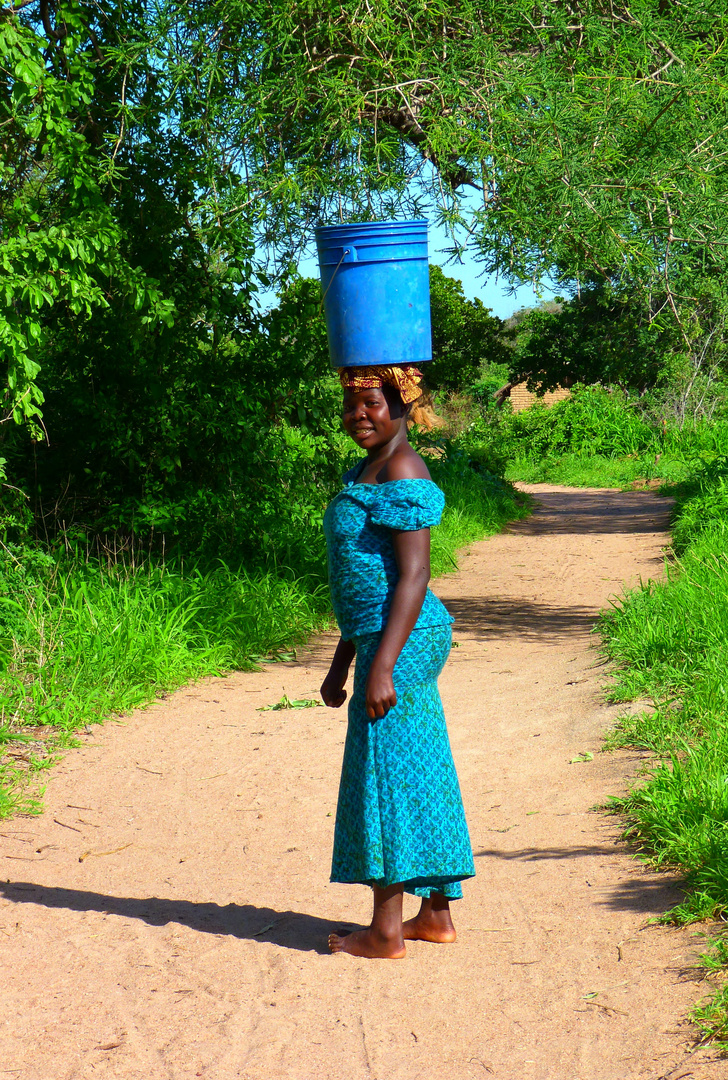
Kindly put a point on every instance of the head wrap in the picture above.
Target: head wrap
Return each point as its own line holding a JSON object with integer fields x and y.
{"x": 405, "y": 378}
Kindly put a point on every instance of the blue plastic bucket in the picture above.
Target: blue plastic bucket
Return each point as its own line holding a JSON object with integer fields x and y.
{"x": 376, "y": 286}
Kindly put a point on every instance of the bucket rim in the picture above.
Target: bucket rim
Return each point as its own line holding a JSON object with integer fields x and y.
{"x": 324, "y": 231}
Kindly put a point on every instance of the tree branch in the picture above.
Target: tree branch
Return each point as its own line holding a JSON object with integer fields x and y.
{"x": 14, "y": 11}
{"x": 405, "y": 123}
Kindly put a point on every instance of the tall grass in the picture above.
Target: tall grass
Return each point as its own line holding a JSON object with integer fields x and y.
{"x": 88, "y": 641}
{"x": 97, "y": 640}
{"x": 82, "y": 639}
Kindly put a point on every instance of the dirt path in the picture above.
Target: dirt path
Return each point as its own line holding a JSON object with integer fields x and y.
{"x": 167, "y": 917}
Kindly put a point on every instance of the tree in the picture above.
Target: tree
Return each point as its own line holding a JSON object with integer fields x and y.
{"x": 584, "y": 140}
{"x": 147, "y": 148}
{"x": 464, "y": 335}
{"x": 595, "y": 337}
{"x": 593, "y": 133}
{"x": 61, "y": 240}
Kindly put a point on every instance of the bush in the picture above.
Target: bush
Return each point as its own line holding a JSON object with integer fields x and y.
{"x": 594, "y": 420}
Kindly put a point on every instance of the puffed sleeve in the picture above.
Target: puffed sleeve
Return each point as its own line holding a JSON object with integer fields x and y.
{"x": 407, "y": 505}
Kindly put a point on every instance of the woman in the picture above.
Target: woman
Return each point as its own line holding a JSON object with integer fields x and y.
{"x": 400, "y": 824}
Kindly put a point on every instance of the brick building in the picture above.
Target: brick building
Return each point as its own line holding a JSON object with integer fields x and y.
{"x": 521, "y": 398}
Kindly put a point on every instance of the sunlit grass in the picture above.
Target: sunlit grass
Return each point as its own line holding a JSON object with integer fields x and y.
{"x": 669, "y": 641}
{"x": 598, "y": 471}
{"x": 98, "y": 641}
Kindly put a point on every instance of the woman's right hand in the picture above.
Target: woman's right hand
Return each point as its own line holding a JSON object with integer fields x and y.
{"x": 332, "y": 688}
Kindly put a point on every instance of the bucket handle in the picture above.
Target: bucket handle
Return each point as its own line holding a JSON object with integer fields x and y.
{"x": 351, "y": 252}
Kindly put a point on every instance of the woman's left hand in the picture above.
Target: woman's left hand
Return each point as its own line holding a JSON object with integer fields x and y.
{"x": 380, "y": 693}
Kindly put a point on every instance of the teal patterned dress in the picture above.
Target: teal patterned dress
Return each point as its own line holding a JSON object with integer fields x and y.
{"x": 400, "y": 815}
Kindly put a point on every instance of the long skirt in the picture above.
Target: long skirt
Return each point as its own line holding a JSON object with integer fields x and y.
{"x": 400, "y": 815}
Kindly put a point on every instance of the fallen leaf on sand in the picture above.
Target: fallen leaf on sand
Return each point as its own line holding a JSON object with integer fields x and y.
{"x": 288, "y": 703}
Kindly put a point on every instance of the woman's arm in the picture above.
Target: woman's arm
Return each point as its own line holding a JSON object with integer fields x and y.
{"x": 332, "y": 688}
{"x": 412, "y": 552}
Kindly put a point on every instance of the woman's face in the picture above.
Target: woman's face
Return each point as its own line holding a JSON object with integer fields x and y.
{"x": 372, "y": 417}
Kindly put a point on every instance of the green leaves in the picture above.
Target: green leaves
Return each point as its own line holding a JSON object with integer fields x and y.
{"x": 464, "y": 334}
{"x": 588, "y": 135}
{"x": 288, "y": 703}
{"x": 62, "y": 243}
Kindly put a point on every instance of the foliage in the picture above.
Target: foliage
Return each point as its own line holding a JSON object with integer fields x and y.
{"x": 694, "y": 373}
{"x": 102, "y": 639}
{"x": 464, "y": 335}
{"x": 598, "y": 337}
{"x": 228, "y": 447}
{"x": 147, "y": 146}
{"x": 62, "y": 243}
{"x": 613, "y": 336}
{"x": 599, "y": 437}
{"x": 593, "y": 420}
{"x": 703, "y": 502}
{"x": 594, "y": 137}
{"x": 669, "y": 640}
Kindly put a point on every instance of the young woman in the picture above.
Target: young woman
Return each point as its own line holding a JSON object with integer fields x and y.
{"x": 400, "y": 824}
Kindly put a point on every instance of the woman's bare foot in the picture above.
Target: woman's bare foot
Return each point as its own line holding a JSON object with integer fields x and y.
{"x": 432, "y": 923}
{"x": 383, "y": 939}
{"x": 368, "y": 943}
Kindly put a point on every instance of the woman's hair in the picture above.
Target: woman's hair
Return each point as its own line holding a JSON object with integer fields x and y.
{"x": 422, "y": 412}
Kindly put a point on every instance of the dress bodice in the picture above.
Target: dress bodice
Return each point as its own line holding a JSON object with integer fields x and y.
{"x": 362, "y": 564}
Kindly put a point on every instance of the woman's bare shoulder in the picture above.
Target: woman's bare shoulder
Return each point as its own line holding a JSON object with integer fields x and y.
{"x": 406, "y": 465}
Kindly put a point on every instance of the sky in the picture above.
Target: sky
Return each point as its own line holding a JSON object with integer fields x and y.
{"x": 494, "y": 294}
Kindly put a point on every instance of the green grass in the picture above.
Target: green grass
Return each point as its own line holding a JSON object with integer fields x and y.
{"x": 598, "y": 437}
{"x": 669, "y": 641}
{"x": 598, "y": 470}
{"x": 81, "y": 641}
{"x": 97, "y": 641}
{"x": 100, "y": 640}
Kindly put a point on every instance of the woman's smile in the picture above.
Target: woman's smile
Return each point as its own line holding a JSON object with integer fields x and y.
{"x": 368, "y": 419}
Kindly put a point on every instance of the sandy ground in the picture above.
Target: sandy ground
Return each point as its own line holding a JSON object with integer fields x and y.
{"x": 167, "y": 916}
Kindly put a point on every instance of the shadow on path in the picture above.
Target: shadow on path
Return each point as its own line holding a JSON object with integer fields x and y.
{"x": 580, "y": 512}
{"x": 578, "y": 851}
{"x": 289, "y": 929}
{"x": 530, "y": 620}
{"x": 650, "y": 894}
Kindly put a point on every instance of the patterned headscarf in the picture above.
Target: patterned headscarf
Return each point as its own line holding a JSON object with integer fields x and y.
{"x": 405, "y": 378}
